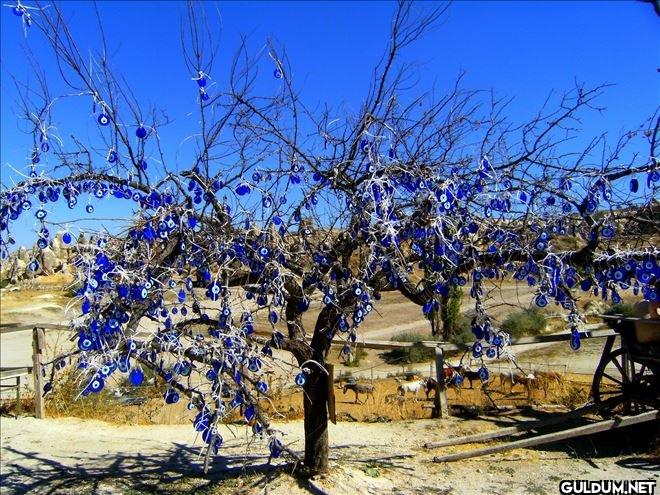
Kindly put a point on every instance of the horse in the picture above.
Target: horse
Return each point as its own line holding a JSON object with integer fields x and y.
{"x": 412, "y": 387}
{"x": 515, "y": 378}
{"x": 431, "y": 383}
{"x": 467, "y": 373}
{"x": 546, "y": 379}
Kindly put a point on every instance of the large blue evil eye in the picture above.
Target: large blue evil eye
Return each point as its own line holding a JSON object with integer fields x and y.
{"x": 262, "y": 387}
{"x": 89, "y": 209}
{"x": 171, "y": 396}
{"x": 541, "y": 301}
{"x": 243, "y": 189}
{"x": 575, "y": 341}
{"x": 477, "y": 350}
{"x": 18, "y": 11}
{"x": 483, "y": 374}
{"x": 250, "y": 413}
{"x": 490, "y": 352}
{"x": 45, "y": 146}
{"x": 201, "y": 81}
{"x": 255, "y": 365}
{"x": 278, "y": 73}
{"x": 141, "y": 132}
{"x": 653, "y": 176}
{"x": 84, "y": 344}
{"x": 136, "y": 377}
{"x": 103, "y": 119}
{"x": 40, "y": 214}
{"x": 301, "y": 379}
{"x": 608, "y": 232}
{"x": 97, "y": 385}
{"x": 66, "y": 238}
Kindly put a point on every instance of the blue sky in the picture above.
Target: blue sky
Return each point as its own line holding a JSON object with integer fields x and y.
{"x": 518, "y": 49}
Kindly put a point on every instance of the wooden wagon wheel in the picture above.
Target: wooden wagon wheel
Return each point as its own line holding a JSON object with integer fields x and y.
{"x": 630, "y": 386}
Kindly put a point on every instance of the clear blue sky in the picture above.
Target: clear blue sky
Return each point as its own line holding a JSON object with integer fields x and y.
{"x": 519, "y": 49}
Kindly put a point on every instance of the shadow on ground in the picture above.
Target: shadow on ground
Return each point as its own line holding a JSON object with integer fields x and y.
{"x": 178, "y": 470}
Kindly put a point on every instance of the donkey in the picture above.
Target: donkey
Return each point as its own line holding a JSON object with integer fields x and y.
{"x": 360, "y": 388}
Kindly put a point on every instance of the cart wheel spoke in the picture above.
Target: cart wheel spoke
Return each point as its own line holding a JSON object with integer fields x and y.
{"x": 612, "y": 378}
{"x": 624, "y": 375}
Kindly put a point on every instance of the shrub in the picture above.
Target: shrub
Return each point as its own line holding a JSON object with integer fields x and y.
{"x": 450, "y": 313}
{"x": 414, "y": 354}
{"x": 463, "y": 332}
{"x": 4, "y": 282}
{"x": 625, "y": 309}
{"x": 530, "y": 321}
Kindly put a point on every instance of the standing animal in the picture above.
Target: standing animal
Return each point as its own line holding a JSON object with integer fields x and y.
{"x": 467, "y": 373}
{"x": 545, "y": 380}
{"x": 412, "y": 387}
{"x": 514, "y": 378}
{"x": 360, "y": 388}
{"x": 430, "y": 384}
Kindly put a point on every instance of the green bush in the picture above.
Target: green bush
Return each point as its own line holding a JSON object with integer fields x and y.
{"x": 625, "y": 309}
{"x": 462, "y": 333}
{"x": 530, "y": 321}
{"x": 4, "y": 282}
{"x": 414, "y": 354}
{"x": 450, "y": 313}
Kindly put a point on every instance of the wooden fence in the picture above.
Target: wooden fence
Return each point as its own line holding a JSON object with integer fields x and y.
{"x": 440, "y": 407}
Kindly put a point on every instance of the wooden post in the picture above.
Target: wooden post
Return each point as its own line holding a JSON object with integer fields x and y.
{"x": 441, "y": 409}
{"x": 18, "y": 395}
{"x": 331, "y": 393}
{"x": 37, "y": 363}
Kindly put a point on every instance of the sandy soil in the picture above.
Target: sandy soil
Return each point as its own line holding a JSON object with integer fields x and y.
{"x": 74, "y": 456}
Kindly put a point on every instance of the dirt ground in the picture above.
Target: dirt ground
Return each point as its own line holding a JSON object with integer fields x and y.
{"x": 376, "y": 447}
{"x": 71, "y": 456}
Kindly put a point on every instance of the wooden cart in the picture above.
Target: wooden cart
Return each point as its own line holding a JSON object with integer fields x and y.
{"x": 627, "y": 379}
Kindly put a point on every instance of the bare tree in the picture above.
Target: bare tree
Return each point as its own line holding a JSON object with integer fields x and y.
{"x": 285, "y": 206}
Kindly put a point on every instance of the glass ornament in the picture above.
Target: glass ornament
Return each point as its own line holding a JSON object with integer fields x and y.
{"x": 141, "y": 132}
{"x": 96, "y": 385}
{"x": 243, "y": 189}
{"x": 301, "y": 379}
{"x": 634, "y": 185}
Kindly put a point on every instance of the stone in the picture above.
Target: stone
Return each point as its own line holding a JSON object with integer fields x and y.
{"x": 49, "y": 262}
{"x": 17, "y": 271}
{"x": 23, "y": 254}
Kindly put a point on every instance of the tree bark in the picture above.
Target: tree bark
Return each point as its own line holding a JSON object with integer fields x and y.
{"x": 316, "y": 422}
{"x": 316, "y": 394}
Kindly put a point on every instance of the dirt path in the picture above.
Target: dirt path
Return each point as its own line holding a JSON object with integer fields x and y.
{"x": 80, "y": 457}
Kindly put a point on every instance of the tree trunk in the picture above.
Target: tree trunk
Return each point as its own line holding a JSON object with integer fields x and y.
{"x": 316, "y": 394}
{"x": 316, "y": 422}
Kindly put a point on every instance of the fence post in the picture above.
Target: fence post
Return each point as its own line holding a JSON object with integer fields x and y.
{"x": 441, "y": 410}
{"x": 18, "y": 395}
{"x": 37, "y": 363}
